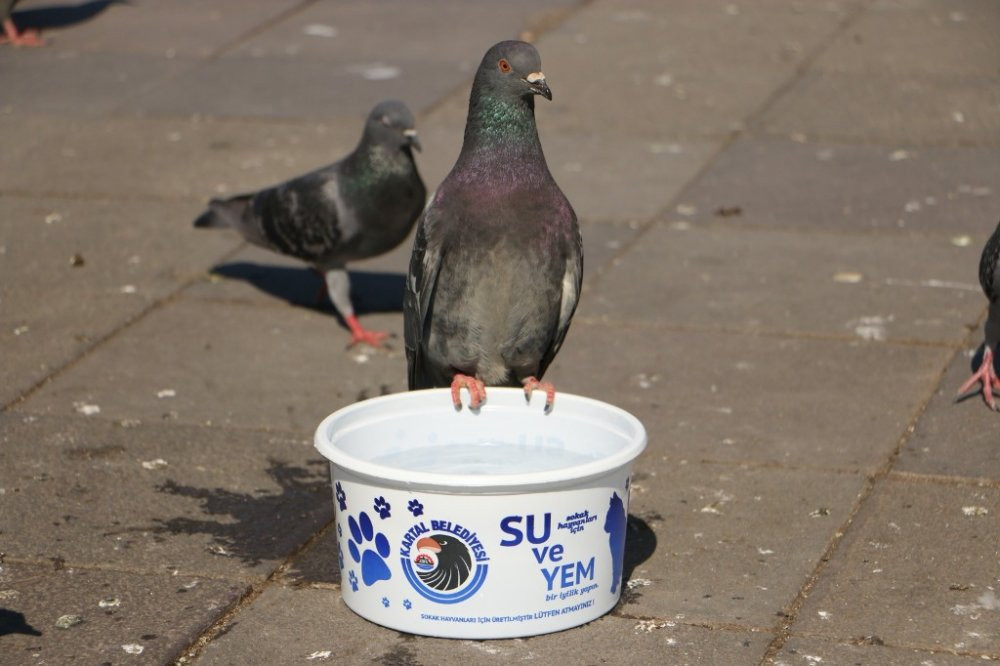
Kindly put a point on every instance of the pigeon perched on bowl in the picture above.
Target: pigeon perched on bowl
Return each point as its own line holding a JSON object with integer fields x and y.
{"x": 497, "y": 262}
{"x": 360, "y": 207}
{"x": 989, "y": 279}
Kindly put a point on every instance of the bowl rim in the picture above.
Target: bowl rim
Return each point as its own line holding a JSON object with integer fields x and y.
{"x": 503, "y": 398}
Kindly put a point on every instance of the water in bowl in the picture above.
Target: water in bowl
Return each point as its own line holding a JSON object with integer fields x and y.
{"x": 484, "y": 458}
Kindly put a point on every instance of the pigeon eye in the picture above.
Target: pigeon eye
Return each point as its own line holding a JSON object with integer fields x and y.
{"x": 504, "y": 66}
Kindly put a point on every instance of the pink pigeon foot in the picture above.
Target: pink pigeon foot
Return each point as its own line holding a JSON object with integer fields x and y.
{"x": 475, "y": 387}
{"x": 12, "y": 36}
{"x": 988, "y": 376}
{"x": 531, "y": 384}
{"x": 361, "y": 334}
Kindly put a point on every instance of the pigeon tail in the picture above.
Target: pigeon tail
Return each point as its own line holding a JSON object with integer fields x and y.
{"x": 221, "y": 214}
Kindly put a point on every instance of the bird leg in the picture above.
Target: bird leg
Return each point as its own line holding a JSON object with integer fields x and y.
{"x": 531, "y": 383}
{"x": 27, "y": 37}
{"x": 987, "y": 375}
{"x": 338, "y": 287}
{"x": 475, "y": 387}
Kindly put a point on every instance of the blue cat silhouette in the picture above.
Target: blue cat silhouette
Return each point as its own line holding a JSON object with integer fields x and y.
{"x": 614, "y": 525}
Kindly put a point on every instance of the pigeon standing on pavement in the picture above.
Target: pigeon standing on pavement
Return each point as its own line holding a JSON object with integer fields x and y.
{"x": 989, "y": 278}
{"x": 498, "y": 260}
{"x": 362, "y": 206}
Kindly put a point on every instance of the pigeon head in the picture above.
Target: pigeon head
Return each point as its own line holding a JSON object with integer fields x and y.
{"x": 513, "y": 68}
{"x": 391, "y": 123}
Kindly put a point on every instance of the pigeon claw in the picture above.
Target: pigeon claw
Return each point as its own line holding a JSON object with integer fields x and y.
{"x": 988, "y": 376}
{"x": 475, "y": 387}
{"x": 362, "y": 335}
{"x": 531, "y": 384}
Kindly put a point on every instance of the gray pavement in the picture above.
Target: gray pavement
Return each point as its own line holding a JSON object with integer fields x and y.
{"x": 783, "y": 205}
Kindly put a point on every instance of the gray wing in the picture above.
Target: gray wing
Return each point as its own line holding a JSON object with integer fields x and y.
{"x": 571, "y": 285}
{"x": 418, "y": 298}
{"x": 300, "y": 218}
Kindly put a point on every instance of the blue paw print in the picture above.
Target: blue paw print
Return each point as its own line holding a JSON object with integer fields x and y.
{"x": 353, "y": 578}
{"x": 341, "y": 497}
{"x": 407, "y": 604}
{"x": 385, "y": 601}
{"x": 382, "y": 507}
{"x": 340, "y": 530}
{"x": 340, "y": 558}
{"x": 415, "y": 507}
{"x": 372, "y": 561}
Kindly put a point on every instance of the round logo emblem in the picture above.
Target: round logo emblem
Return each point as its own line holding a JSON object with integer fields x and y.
{"x": 442, "y": 567}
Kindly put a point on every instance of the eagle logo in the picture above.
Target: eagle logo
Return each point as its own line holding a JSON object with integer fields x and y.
{"x": 442, "y": 562}
{"x": 442, "y": 568}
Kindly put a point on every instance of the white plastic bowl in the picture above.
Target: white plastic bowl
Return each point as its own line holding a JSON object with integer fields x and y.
{"x": 491, "y": 524}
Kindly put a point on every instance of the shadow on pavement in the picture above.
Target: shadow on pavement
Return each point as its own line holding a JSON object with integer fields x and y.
{"x": 62, "y": 16}
{"x": 260, "y": 525}
{"x": 12, "y": 622}
{"x": 303, "y": 287}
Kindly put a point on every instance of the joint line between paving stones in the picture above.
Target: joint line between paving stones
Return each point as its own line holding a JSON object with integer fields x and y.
{"x": 931, "y": 649}
{"x": 751, "y": 120}
{"x": 945, "y": 480}
{"x": 219, "y": 52}
{"x": 766, "y": 333}
{"x": 734, "y": 627}
{"x": 102, "y": 197}
{"x": 102, "y": 340}
{"x": 194, "y": 649}
{"x": 782, "y": 631}
{"x": 258, "y": 29}
{"x": 49, "y": 565}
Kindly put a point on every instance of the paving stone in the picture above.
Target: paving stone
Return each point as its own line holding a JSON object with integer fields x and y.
{"x": 22, "y": 134}
{"x": 953, "y": 37}
{"x": 193, "y": 157}
{"x": 717, "y": 396}
{"x": 777, "y": 182}
{"x": 318, "y": 564}
{"x": 326, "y": 631}
{"x": 917, "y": 569}
{"x": 41, "y": 80}
{"x": 869, "y": 287}
{"x": 157, "y": 498}
{"x": 608, "y": 178}
{"x": 267, "y": 87}
{"x": 352, "y": 69}
{"x": 729, "y": 544}
{"x": 818, "y": 651}
{"x": 889, "y": 109}
{"x": 954, "y": 439}
{"x": 230, "y": 365}
{"x": 677, "y": 70}
{"x": 359, "y": 33}
{"x": 63, "y": 286}
{"x": 126, "y": 617}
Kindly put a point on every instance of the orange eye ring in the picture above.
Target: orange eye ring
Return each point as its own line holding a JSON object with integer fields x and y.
{"x": 504, "y": 66}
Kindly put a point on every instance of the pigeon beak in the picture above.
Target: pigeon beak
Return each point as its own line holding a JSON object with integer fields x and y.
{"x": 536, "y": 81}
{"x": 411, "y": 136}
